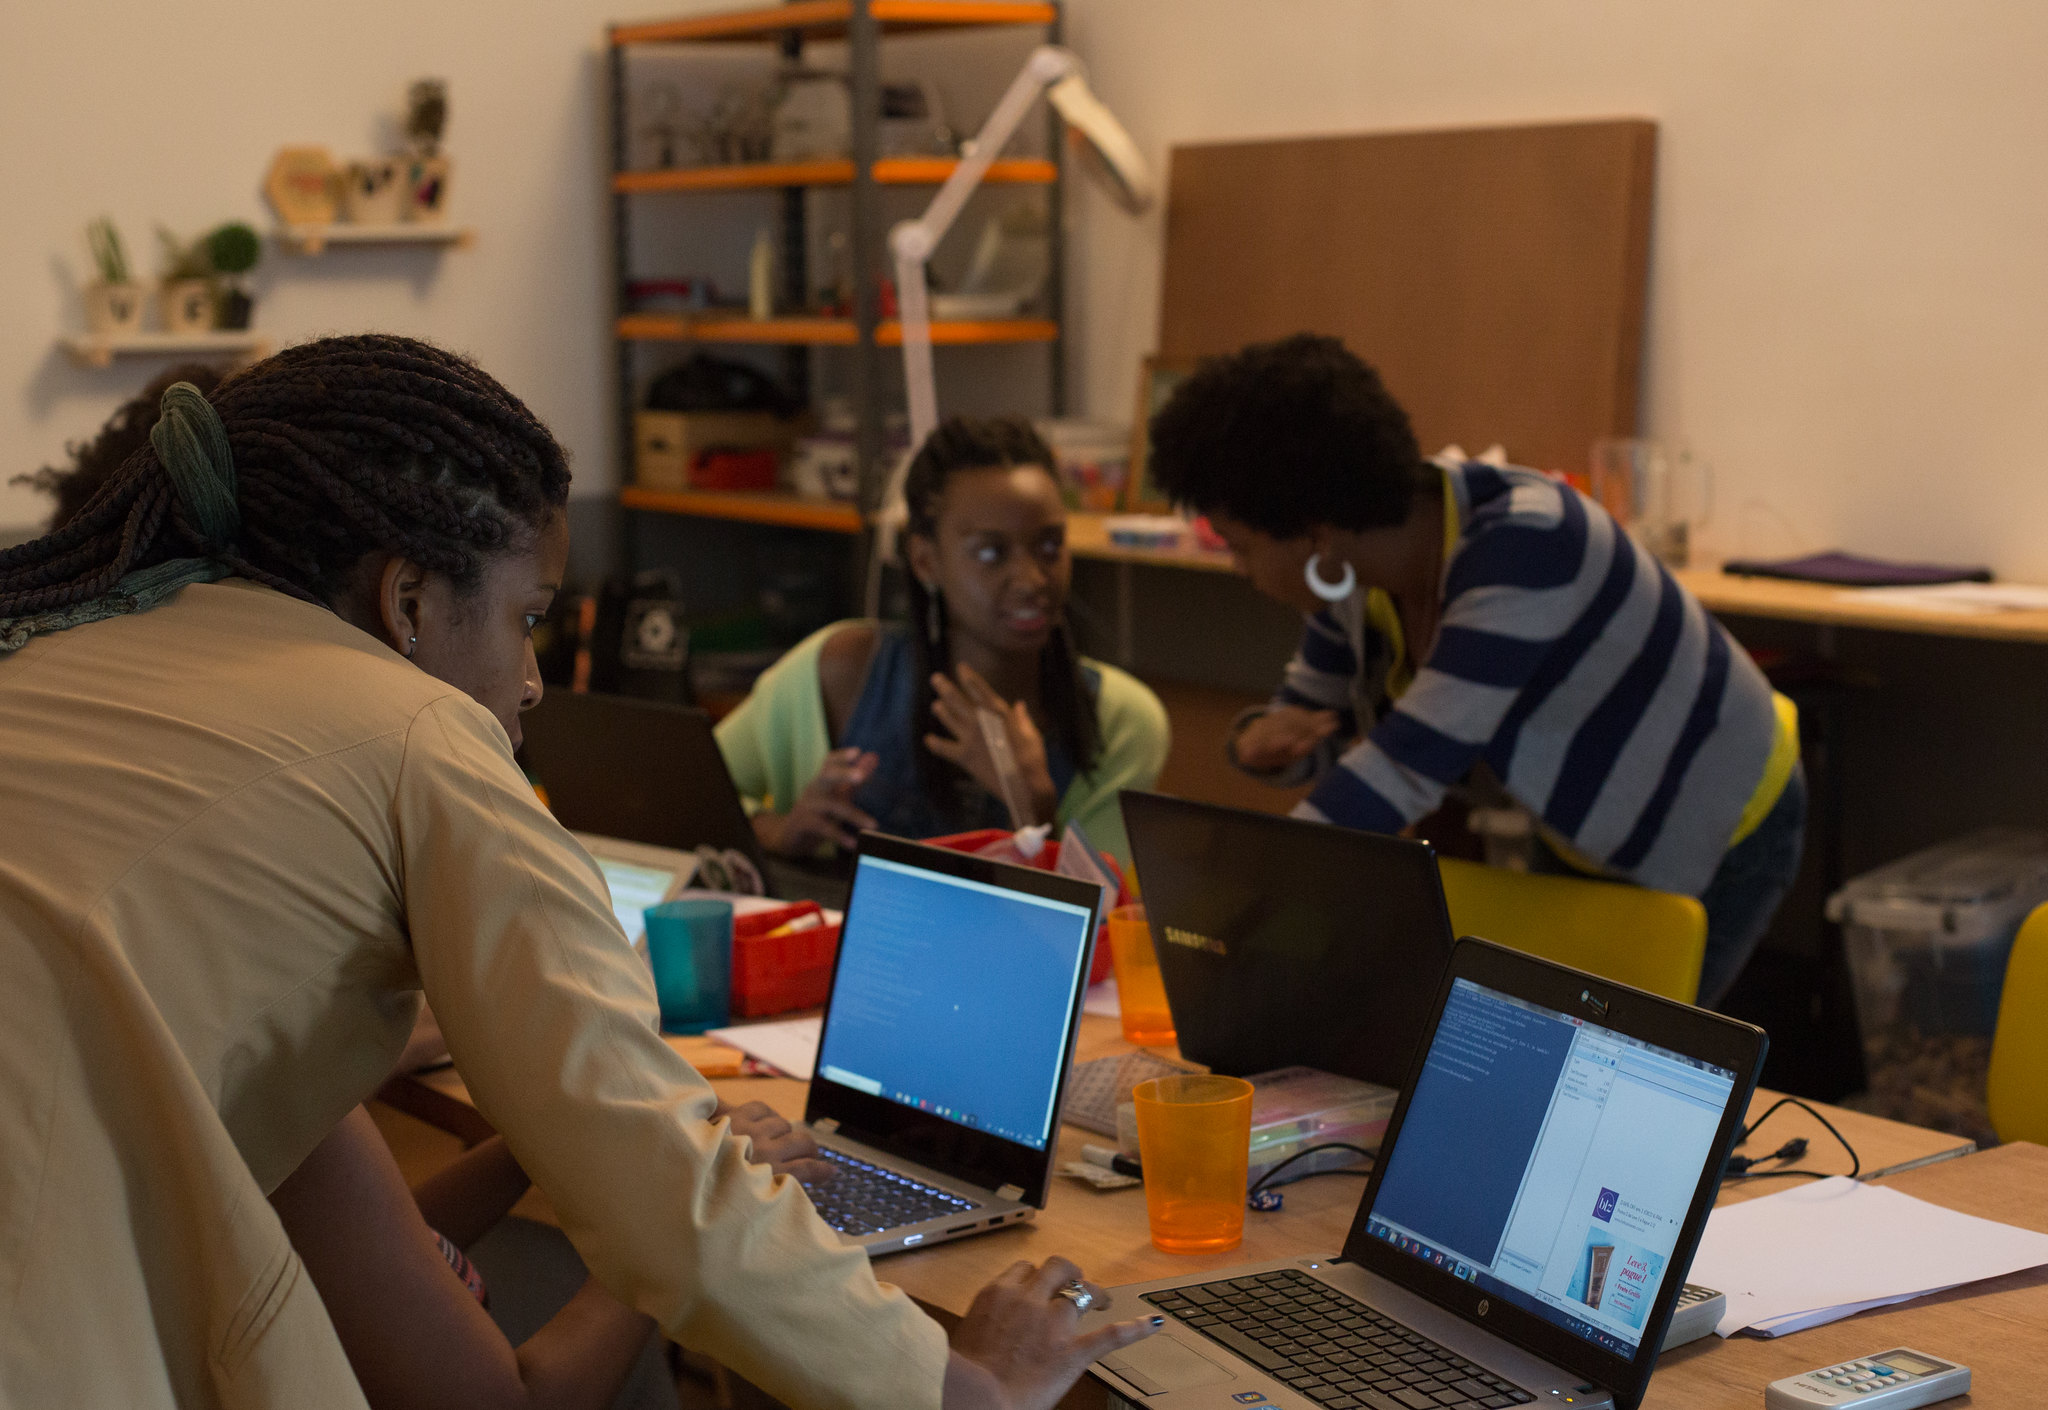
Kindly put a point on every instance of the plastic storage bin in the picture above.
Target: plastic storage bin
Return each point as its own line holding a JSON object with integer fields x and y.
{"x": 782, "y": 959}
{"x": 1928, "y": 935}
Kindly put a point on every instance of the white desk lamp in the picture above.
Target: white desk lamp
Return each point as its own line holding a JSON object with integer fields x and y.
{"x": 1106, "y": 151}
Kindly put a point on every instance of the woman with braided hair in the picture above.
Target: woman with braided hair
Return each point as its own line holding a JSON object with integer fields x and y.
{"x": 258, "y": 701}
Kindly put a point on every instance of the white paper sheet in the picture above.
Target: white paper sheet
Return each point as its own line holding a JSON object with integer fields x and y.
{"x": 1831, "y": 1248}
{"x": 790, "y": 1044}
{"x": 1101, "y": 999}
{"x": 1958, "y": 597}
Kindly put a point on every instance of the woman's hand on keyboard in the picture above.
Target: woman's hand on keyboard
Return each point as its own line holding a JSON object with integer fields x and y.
{"x": 1020, "y": 1346}
{"x": 783, "y": 1148}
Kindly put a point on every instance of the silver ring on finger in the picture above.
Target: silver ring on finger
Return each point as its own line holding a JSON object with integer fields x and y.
{"x": 1076, "y": 1292}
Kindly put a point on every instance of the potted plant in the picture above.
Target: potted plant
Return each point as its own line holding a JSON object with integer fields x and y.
{"x": 231, "y": 252}
{"x": 187, "y": 285}
{"x": 426, "y": 118}
{"x": 113, "y": 302}
{"x": 374, "y": 191}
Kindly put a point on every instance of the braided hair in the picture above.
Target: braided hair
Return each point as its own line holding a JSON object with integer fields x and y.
{"x": 342, "y": 447}
{"x": 961, "y": 443}
{"x": 94, "y": 462}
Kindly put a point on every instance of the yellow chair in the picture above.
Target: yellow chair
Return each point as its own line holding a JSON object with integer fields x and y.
{"x": 2018, "y": 1089}
{"x": 1653, "y": 940}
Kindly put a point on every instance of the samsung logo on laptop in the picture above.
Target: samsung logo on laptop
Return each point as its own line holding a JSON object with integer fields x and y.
{"x": 1188, "y": 940}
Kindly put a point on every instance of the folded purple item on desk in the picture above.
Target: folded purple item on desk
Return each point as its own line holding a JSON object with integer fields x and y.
{"x": 1850, "y": 570}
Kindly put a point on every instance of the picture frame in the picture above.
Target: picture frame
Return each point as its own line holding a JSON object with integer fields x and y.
{"x": 1157, "y": 378}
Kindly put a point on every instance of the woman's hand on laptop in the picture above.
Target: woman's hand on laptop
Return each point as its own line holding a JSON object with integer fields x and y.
{"x": 783, "y": 1148}
{"x": 1020, "y": 1346}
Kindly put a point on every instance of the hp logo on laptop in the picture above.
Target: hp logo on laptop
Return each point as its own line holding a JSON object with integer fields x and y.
{"x": 1594, "y": 1002}
{"x": 1485, "y": 1306}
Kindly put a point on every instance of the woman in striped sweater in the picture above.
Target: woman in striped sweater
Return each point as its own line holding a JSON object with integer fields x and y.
{"x": 1484, "y": 626}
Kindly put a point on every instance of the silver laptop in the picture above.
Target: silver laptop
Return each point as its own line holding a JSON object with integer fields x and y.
{"x": 1525, "y": 1235}
{"x": 948, "y": 1034}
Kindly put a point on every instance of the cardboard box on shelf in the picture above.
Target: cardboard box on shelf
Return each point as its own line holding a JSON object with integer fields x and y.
{"x": 667, "y": 443}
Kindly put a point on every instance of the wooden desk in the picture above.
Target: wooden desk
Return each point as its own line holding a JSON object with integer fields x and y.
{"x": 1990, "y": 1326}
{"x": 1827, "y": 606}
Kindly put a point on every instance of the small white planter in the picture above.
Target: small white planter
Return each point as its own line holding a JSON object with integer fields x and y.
{"x": 114, "y": 308}
{"x": 374, "y": 192}
{"x": 187, "y": 306}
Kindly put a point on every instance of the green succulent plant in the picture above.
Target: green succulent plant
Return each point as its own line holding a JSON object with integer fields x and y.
{"x": 233, "y": 248}
{"x": 182, "y": 260}
{"x": 108, "y": 254}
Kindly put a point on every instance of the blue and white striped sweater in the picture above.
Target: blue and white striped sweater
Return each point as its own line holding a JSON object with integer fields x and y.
{"x": 1598, "y": 690}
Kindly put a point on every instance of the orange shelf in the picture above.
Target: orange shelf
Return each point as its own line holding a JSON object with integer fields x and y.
{"x": 753, "y": 507}
{"x": 890, "y": 171}
{"x": 674, "y": 328}
{"x": 828, "y": 19}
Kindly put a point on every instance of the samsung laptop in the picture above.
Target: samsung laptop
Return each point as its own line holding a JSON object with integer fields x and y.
{"x": 956, "y": 997}
{"x": 1284, "y": 942}
{"x": 1525, "y": 1234}
{"x": 650, "y": 772}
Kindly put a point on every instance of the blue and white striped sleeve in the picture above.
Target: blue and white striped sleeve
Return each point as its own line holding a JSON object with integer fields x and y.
{"x": 1513, "y": 591}
{"x": 1319, "y": 675}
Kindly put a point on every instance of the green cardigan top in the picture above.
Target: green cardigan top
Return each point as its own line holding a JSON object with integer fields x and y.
{"x": 776, "y": 742}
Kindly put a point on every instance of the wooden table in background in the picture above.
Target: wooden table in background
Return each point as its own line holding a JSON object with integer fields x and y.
{"x": 1997, "y": 1327}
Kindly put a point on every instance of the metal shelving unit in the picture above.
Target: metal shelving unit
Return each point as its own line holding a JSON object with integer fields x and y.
{"x": 862, "y": 24}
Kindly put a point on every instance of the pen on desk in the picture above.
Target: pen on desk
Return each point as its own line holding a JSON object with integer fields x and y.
{"x": 1112, "y": 1160}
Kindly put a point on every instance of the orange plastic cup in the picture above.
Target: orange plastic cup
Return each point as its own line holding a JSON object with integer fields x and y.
{"x": 1194, "y": 1140}
{"x": 1147, "y": 1020}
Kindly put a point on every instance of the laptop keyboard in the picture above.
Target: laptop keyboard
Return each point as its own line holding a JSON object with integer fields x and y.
{"x": 866, "y": 1199}
{"x": 1331, "y": 1348}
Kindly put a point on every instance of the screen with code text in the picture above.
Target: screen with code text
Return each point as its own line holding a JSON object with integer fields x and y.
{"x": 1550, "y": 1160}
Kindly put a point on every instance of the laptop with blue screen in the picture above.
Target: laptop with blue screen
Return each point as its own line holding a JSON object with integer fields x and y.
{"x": 950, "y": 1026}
{"x": 1525, "y": 1234}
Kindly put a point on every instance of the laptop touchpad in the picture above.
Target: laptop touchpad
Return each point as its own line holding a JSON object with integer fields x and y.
{"x": 1161, "y": 1363}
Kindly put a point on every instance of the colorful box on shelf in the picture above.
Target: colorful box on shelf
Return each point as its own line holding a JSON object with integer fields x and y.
{"x": 670, "y": 448}
{"x": 782, "y": 959}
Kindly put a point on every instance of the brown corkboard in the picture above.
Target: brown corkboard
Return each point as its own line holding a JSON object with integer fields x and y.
{"x": 1495, "y": 276}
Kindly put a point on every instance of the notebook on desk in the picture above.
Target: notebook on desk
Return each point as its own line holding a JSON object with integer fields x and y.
{"x": 1524, "y": 1238}
{"x": 948, "y": 1033}
{"x": 1285, "y": 943}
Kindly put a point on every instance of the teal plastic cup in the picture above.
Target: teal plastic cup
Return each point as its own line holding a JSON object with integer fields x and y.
{"x": 689, "y": 947}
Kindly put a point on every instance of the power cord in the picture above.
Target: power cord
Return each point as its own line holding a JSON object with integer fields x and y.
{"x": 1259, "y": 1197}
{"x": 1742, "y": 1167}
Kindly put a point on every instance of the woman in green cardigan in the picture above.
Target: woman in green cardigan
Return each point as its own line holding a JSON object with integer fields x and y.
{"x": 874, "y": 725}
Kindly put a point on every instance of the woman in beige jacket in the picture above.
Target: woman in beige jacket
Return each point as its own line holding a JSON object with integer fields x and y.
{"x": 257, "y": 709}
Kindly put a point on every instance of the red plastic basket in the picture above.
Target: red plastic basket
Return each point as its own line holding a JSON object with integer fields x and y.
{"x": 1047, "y": 859}
{"x": 776, "y": 973}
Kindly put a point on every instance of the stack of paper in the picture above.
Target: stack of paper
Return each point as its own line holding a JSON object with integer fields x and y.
{"x": 1819, "y": 1252}
{"x": 790, "y": 1044}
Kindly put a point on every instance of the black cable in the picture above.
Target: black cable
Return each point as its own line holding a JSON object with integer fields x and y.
{"x": 1267, "y": 1178}
{"x": 1742, "y": 1170}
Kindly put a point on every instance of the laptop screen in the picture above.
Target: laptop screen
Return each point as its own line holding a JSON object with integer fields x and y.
{"x": 634, "y": 888}
{"x": 1550, "y": 1161}
{"x": 956, "y": 998}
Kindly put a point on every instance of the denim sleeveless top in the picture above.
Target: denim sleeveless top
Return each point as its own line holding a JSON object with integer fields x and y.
{"x": 881, "y": 724}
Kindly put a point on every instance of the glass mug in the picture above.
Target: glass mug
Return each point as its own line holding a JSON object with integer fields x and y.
{"x": 1659, "y": 494}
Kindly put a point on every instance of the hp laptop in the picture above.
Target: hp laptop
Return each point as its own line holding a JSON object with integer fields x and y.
{"x": 947, "y": 1037}
{"x": 1284, "y": 942}
{"x": 1525, "y": 1234}
{"x": 644, "y": 771}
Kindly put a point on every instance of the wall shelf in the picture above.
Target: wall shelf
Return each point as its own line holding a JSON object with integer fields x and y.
{"x": 100, "y": 349}
{"x": 825, "y": 332}
{"x": 317, "y": 239}
{"x": 829, "y": 19}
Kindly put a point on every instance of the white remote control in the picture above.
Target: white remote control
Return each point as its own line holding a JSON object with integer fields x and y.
{"x": 1894, "y": 1380}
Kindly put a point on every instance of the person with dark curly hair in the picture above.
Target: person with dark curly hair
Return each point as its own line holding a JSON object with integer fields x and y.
{"x": 258, "y": 705}
{"x": 1473, "y": 624}
{"x": 875, "y": 725}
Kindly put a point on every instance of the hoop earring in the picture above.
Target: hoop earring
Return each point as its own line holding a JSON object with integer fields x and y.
{"x": 412, "y": 644}
{"x": 1327, "y": 591}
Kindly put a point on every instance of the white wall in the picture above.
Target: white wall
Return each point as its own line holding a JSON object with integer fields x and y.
{"x": 1849, "y": 270}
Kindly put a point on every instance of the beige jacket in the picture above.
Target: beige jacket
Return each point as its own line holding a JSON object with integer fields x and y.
{"x": 237, "y": 838}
